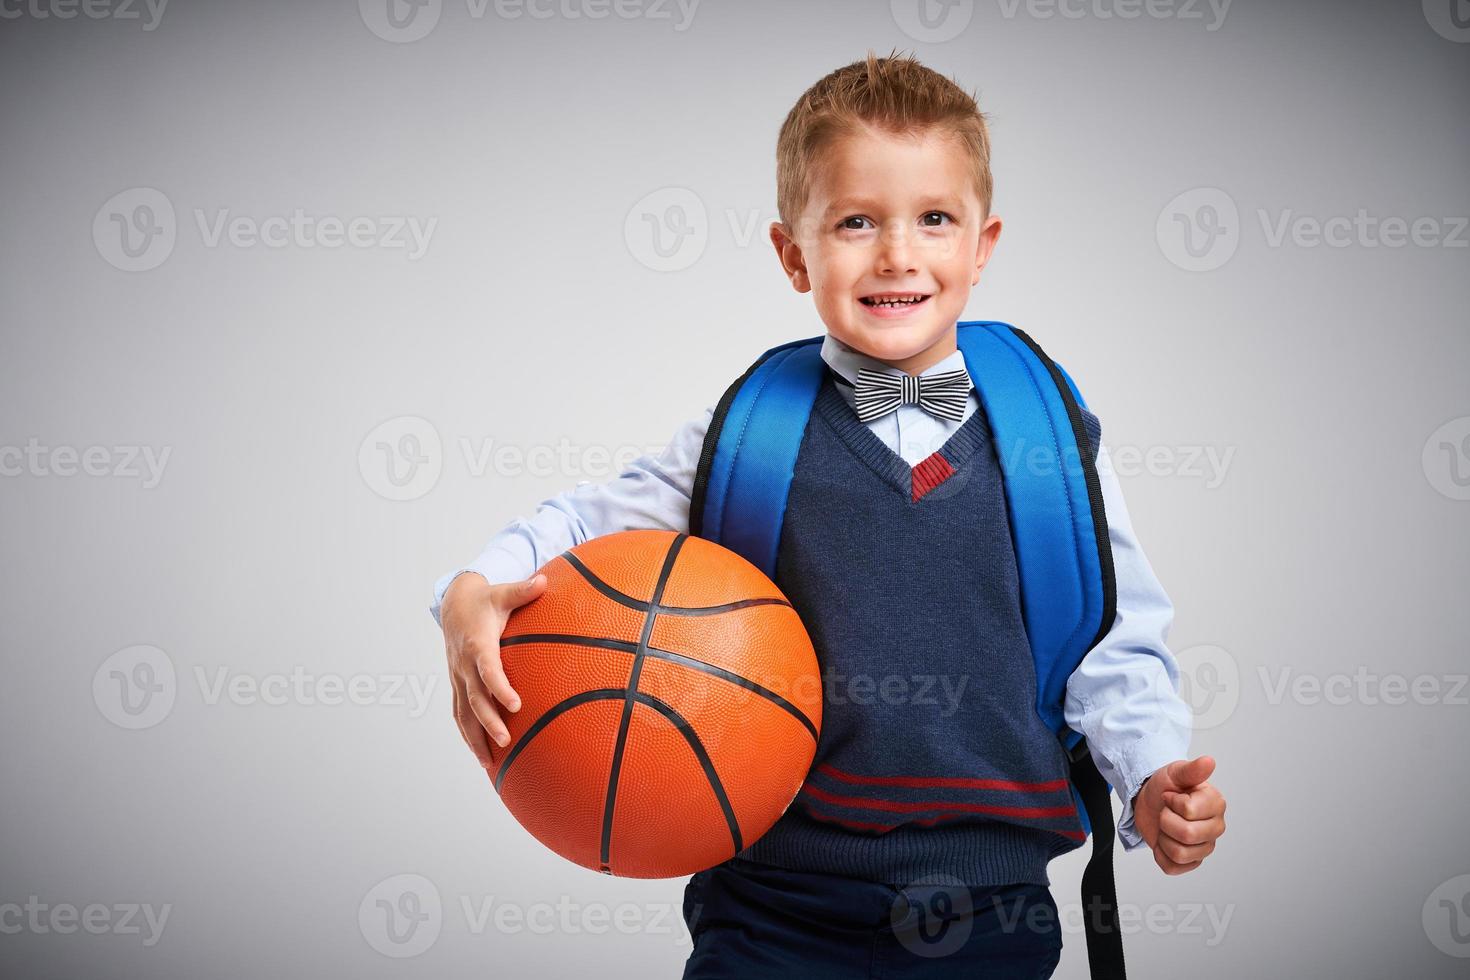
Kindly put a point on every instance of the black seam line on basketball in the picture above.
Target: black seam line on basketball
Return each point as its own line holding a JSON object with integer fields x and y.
{"x": 596, "y": 641}
{"x": 547, "y": 717}
{"x": 744, "y": 682}
{"x": 617, "y": 761}
{"x": 722, "y": 608}
{"x": 571, "y": 639}
{"x": 697, "y": 746}
{"x": 622, "y": 598}
{"x": 677, "y": 720}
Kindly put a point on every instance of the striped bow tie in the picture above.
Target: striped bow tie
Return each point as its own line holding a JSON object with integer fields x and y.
{"x": 942, "y": 395}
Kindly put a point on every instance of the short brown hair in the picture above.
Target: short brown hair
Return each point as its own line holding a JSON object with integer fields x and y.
{"x": 897, "y": 95}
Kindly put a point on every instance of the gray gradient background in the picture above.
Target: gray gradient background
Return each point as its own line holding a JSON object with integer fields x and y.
{"x": 266, "y": 548}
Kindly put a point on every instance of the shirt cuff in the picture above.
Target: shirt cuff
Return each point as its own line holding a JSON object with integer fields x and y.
{"x": 1144, "y": 758}
{"x": 495, "y": 566}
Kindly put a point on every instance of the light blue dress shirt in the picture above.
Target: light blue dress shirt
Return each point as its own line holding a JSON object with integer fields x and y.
{"x": 1123, "y": 696}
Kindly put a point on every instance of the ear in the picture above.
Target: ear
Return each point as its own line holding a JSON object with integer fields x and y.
{"x": 788, "y": 252}
{"x": 989, "y": 235}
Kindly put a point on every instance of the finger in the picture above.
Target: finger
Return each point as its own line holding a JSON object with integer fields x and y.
{"x": 1197, "y": 805}
{"x": 470, "y": 728}
{"x": 483, "y": 706}
{"x": 1178, "y": 803}
{"x": 524, "y": 591}
{"x": 1181, "y": 853}
{"x": 1172, "y": 801}
{"x": 1190, "y": 831}
{"x": 1187, "y": 775}
{"x": 1206, "y": 801}
{"x": 1172, "y": 867}
{"x": 491, "y": 673}
{"x": 1202, "y": 769}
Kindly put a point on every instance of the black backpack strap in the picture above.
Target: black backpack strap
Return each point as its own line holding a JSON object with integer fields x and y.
{"x": 1099, "y": 891}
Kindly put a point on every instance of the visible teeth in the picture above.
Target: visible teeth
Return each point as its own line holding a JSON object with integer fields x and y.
{"x": 895, "y": 302}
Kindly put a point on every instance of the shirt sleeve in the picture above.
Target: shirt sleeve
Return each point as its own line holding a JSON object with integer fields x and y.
{"x": 651, "y": 492}
{"x": 1124, "y": 696}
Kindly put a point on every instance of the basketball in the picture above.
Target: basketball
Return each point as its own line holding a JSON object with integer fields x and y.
{"x": 670, "y": 705}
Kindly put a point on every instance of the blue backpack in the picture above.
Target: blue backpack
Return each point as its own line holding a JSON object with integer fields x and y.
{"x": 1054, "y": 500}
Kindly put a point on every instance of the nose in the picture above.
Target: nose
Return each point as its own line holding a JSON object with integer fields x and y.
{"x": 896, "y": 250}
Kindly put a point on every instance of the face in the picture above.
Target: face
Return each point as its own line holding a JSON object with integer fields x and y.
{"x": 890, "y": 242}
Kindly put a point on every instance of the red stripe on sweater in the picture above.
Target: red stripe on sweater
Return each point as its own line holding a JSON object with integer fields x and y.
{"x": 894, "y": 806}
{"x": 943, "y": 782}
{"x": 883, "y": 828}
{"x": 929, "y": 473}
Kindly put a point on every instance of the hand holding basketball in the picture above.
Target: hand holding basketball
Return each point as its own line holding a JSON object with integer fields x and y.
{"x": 474, "y": 615}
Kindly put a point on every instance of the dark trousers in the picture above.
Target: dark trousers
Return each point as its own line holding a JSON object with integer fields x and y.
{"x": 752, "y": 920}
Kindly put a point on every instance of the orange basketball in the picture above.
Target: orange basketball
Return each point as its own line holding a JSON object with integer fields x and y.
{"x": 670, "y": 705}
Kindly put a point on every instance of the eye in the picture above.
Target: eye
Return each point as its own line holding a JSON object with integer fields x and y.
{"x": 941, "y": 214}
{"x": 843, "y": 224}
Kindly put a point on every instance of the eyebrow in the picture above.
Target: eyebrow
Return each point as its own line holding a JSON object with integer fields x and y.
{"x": 867, "y": 204}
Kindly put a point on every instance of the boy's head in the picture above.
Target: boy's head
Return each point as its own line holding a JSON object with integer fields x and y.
{"x": 883, "y": 187}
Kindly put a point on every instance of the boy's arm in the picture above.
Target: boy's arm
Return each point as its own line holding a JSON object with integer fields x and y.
{"x": 652, "y": 492}
{"x": 1124, "y": 695}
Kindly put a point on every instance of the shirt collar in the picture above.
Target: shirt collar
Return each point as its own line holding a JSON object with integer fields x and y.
{"x": 845, "y": 362}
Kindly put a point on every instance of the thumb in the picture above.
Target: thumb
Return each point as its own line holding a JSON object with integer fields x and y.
{"x": 527, "y": 589}
{"x": 1186, "y": 774}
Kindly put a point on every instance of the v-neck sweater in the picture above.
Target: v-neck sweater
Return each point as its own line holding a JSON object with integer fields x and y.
{"x": 932, "y": 757}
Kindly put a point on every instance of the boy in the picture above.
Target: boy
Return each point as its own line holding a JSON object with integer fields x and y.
{"x": 884, "y": 193}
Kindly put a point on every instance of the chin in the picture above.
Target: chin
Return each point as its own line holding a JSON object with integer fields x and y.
{"x": 895, "y": 343}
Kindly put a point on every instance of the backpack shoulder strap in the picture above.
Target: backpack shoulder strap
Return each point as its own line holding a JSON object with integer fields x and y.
{"x": 1054, "y": 500}
{"x": 749, "y": 454}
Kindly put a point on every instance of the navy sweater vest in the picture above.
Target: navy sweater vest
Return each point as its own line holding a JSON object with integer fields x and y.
{"x": 932, "y": 757}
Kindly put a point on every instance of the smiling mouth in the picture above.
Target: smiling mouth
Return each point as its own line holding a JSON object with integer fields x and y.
{"x": 893, "y": 301}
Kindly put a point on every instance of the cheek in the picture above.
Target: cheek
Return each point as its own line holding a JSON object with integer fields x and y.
{"x": 952, "y": 257}
{"x": 840, "y": 267}
{"x": 832, "y": 284}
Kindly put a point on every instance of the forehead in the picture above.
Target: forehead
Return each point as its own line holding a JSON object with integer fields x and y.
{"x": 873, "y": 167}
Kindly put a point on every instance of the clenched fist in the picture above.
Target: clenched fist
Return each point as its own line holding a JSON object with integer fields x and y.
{"x": 1180, "y": 815}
